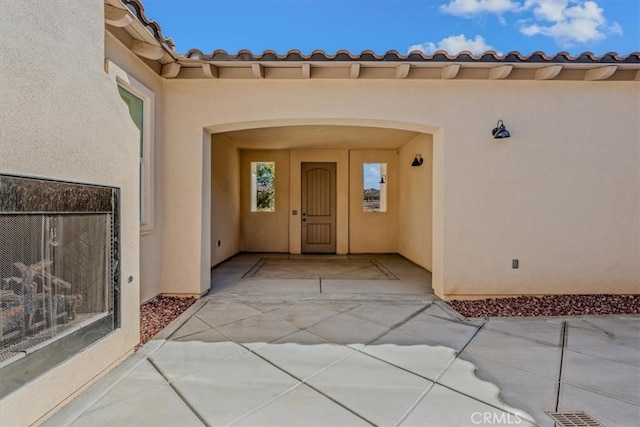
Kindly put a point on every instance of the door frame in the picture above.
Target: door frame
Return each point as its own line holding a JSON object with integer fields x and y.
{"x": 306, "y": 219}
{"x": 341, "y": 158}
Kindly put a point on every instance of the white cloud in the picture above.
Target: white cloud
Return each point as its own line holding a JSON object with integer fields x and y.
{"x": 454, "y": 45}
{"x": 548, "y": 10}
{"x": 469, "y": 8}
{"x": 569, "y": 21}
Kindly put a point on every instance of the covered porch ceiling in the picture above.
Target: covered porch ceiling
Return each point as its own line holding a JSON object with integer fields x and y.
{"x": 319, "y": 137}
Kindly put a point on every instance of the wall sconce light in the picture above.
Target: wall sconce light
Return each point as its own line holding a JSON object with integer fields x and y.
{"x": 383, "y": 179}
{"x": 500, "y": 131}
{"x": 418, "y": 161}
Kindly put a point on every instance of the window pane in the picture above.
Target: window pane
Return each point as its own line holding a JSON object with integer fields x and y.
{"x": 263, "y": 186}
{"x": 136, "y": 111}
{"x": 375, "y": 187}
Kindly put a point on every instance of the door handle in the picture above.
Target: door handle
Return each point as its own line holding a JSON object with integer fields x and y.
{"x": 304, "y": 217}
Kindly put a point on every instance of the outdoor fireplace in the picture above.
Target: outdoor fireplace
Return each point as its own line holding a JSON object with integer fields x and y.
{"x": 59, "y": 276}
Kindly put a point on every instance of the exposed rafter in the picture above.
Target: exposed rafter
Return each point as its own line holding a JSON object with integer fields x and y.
{"x": 170, "y": 71}
{"x": 402, "y": 71}
{"x": 257, "y": 70}
{"x": 147, "y": 50}
{"x": 601, "y": 73}
{"x": 354, "y": 71}
{"x": 548, "y": 73}
{"x": 501, "y": 72}
{"x": 306, "y": 71}
{"x": 117, "y": 17}
{"x": 449, "y": 71}
{"x": 210, "y": 71}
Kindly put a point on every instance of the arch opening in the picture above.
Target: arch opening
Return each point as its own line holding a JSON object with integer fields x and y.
{"x": 407, "y": 228}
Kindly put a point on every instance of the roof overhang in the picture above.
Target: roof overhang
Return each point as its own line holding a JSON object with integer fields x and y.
{"x": 125, "y": 20}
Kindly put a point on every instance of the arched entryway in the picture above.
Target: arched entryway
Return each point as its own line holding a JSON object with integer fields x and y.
{"x": 409, "y": 225}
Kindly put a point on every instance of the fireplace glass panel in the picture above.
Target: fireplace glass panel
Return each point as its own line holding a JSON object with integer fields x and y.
{"x": 54, "y": 275}
{"x": 59, "y": 273}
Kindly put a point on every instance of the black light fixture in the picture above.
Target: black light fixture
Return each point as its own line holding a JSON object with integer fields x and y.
{"x": 500, "y": 131}
{"x": 383, "y": 179}
{"x": 418, "y": 160}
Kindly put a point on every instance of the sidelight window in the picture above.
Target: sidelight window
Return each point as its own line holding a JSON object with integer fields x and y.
{"x": 375, "y": 187}
{"x": 263, "y": 186}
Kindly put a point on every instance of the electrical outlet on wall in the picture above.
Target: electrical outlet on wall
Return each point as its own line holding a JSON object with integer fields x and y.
{"x": 514, "y": 263}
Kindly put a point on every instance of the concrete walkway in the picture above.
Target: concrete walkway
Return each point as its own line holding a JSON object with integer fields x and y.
{"x": 346, "y": 352}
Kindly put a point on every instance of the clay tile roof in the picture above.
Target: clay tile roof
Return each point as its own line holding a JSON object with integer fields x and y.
{"x": 136, "y": 7}
{"x": 415, "y": 56}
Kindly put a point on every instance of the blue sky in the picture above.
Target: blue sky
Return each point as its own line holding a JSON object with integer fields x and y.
{"x": 551, "y": 26}
{"x": 371, "y": 175}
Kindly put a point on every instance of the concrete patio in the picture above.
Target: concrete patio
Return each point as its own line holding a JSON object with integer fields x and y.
{"x": 381, "y": 350}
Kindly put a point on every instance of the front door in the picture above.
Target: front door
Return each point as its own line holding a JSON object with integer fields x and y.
{"x": 318, "y": 208}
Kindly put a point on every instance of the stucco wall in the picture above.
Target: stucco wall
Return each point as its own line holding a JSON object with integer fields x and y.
{"x": 225, "y": 199}
{"x": 133, "y": 73}
{"x": 415, "y": 220}
{"x": 375, "y": 232}
{"x": 265, "y": 231}
{"x": 562, "y": 195}
{"x": 62, "y": 118}
{"x": 269, "y": 231}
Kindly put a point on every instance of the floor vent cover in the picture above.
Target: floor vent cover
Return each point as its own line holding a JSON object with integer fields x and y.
{"x": 574, "y": 419}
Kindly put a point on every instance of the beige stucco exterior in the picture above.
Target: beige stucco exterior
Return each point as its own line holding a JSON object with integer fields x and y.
{"x": 373, "y": 231}
{"x": 62, "y": 118}
{"x": 126, "y": 69}
{"x": 562, "y": 195}
{"x": 415, "y": 201}
{"x": 265, "y": 231}
{"x": 225, "y": 199}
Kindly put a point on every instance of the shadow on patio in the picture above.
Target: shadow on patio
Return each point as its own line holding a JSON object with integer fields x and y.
{"x": 359, "y": 340}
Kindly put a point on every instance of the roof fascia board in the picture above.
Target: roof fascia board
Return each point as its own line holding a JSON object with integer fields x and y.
{"x": 144, "y": 43}
{"x": 375, "y": 64}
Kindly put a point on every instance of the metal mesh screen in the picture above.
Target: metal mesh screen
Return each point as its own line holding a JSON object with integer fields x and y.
{"x": 55, "y": 274}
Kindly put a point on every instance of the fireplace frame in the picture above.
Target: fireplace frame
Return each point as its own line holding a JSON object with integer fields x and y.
{"x": 23, "y": 195}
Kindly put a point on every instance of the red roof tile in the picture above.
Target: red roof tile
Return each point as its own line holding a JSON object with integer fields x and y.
{"x": 136, "y": 7}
